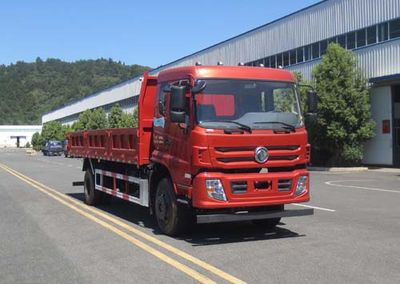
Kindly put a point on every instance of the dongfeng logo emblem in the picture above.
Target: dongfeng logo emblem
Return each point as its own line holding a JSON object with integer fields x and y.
{"x": 261, "y": 155}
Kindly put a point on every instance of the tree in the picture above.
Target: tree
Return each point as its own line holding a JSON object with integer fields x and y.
{"x": 83, "y": 121}
{"x": 28, "y": 90}
{"x": 135, "y": 117}
{"x": 344, "y": 118}
{"x": 37, "y": 141}
{"x": 115, "y": 117}
{"x": 53, "y": 130}
{"x": 97, "y": 119}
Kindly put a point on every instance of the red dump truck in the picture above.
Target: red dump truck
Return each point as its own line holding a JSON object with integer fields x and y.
{"x": 213, "y": 144}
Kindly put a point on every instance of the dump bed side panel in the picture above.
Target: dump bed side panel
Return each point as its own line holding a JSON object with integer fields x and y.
{"x": 120, "y": 145}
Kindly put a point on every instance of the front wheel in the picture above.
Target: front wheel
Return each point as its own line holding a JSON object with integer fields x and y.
{"x": 172, "y": 218}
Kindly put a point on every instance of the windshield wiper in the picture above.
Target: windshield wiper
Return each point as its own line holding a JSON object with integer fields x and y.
{"x": 241, "y": 125}
{"x": 287, "y": 126}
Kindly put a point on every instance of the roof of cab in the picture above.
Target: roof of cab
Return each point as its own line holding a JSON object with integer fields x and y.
{"x": 223, "y": 72}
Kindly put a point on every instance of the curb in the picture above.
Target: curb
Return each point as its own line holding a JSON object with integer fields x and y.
{"x": 385, "y": 170}
{"x": 338, "y": 169}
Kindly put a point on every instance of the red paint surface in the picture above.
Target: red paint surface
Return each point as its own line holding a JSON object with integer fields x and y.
{"x": 197, "y": 151}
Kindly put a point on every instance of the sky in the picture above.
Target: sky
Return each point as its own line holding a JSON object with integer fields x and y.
{"x": 150, "y": 33}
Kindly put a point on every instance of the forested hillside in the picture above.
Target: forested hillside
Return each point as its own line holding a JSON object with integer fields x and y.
{"x": 29, "y": 90}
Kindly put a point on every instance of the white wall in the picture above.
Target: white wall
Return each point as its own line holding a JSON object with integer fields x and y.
{"x": 8, "y": 131}
{"x": 379, "y": 150}
{"x": 120, "y": 92}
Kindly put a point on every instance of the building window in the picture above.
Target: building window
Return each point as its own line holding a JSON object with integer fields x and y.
{"x": 332, "y": 40}
{"x": 273, "y": 61}
{"x": 259, "y": 62}
{"x": 307, "y": 52}
{"x": 394, "y": 27}
{"x": 351, "y": 40}
{"x": 267, "y": 61}
{"x": 292, "y": 57}
{"x": 300, "y": 55}
{"x": 383, "y": 32}
{"x": 323, "y": 46}
{"x": 361, "y": 38}
{"x": 371, "y": 35}
{"x": 286, "y": 59}
{"x": 315, "y": 50}
{"x": 342, "y": 40}
{"x": 279, "y": 60}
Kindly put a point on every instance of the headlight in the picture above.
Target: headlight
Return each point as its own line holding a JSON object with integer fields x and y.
{"x": 215, "y": 189}
{"x": 301, "y": 185}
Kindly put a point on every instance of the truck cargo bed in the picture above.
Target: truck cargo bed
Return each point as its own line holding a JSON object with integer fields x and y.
{"x": 119, "y": 144}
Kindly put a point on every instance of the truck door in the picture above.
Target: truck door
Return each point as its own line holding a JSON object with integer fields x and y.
{"x": 172, "y": 142}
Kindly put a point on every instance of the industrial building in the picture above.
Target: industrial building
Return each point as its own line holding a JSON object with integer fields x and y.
{"x": 12, "y": 136}
{"x": 370, "y": 28}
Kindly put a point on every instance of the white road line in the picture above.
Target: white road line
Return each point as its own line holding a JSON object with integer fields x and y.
{"x": 314, "y": 207}
{"x": 331, "y": 183}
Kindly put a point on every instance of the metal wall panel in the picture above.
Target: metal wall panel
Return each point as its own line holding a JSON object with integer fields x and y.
{"x": 377, "y": 60}
{"x": 321, "y": 21}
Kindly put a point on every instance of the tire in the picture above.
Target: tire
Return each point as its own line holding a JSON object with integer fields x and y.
{"x": 172, "y": 218}
{"x": 92, "y": 196}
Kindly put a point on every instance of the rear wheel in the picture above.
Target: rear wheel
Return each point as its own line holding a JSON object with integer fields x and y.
{"x": 92, "y": 196}
{"x": 172, "y": 218}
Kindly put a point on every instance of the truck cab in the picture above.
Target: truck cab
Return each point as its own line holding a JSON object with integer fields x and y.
{"x": 231, "y": 138}
{"x": 213, "y": 144}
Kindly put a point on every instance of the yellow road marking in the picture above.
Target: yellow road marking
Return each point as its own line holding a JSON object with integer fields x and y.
{"x": 187, "y": 270}
{"x": 201, "y": 263}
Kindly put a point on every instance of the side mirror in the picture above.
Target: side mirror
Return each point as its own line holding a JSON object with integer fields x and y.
{"x": 178, "y": 104}
{"x": 167, "y": 88}
{"x": 199, "y": 86}
{"x": 312, "y": 102}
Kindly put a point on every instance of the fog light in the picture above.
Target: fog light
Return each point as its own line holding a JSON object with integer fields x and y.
{"x": 301, "y": 185}
{"x": 215, "y": 189}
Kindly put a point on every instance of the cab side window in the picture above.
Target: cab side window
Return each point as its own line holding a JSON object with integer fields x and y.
{"x": 162, "y": 100}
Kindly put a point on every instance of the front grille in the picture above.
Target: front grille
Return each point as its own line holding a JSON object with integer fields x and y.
{"x": 271, "y": 147}
{"x": 247, "y": 159}
{"x": 246, "y": 154}
{"x": 284, "y": 185}
{"x": 239, "y": 187}
{"x": 235, "y": 159}
{"x": 281, "y": 158}
{"x": 263, "y": 185}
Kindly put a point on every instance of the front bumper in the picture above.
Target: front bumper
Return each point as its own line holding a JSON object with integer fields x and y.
{"x": 262, "y": 189}
{"x": 246, "y": 216}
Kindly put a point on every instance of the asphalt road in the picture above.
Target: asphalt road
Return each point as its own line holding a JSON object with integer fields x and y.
{"x": 47, "y": 237}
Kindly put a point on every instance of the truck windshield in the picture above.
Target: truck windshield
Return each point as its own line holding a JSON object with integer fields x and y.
{"x": 55, "y": 143}
{"x": 255, "y": 104}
